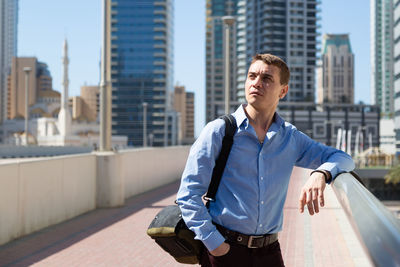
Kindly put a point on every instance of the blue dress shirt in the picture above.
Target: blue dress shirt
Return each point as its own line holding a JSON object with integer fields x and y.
{"x": 255, "y": 181}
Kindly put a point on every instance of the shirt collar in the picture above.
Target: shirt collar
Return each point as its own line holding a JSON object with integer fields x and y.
{"x": 240, "y": 116}
{"x": 278, "y": 120}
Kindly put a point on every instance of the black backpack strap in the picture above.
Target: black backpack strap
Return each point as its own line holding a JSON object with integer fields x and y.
{"x": 230, "y": 130}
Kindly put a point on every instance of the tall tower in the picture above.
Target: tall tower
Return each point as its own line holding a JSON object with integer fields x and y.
{"x": 184, "y": 104}
{"x": 140, "y": 42}
{"x": 396, "y": 37}
{"x": 336, "y": 73}
{"x": 286, "y": 28}
{"x": 39, "y": 87}
{"x": 215, "y": 67}
{"x": 8, "y": 48}
{"x": 382, "y": 88}
{"x": 64, "y": 117}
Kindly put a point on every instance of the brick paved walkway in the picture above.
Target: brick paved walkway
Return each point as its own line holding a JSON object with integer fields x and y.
{"x": 116, "y": 237}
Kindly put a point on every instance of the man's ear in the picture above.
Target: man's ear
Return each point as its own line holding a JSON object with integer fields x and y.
{"x": 284, "y": 91}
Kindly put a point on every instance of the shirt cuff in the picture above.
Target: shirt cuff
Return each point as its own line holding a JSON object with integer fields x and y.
{"x": 214, "y": 240}
{"x": 330, "y": 167}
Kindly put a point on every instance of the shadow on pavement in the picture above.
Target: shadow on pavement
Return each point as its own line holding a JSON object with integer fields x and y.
{"x": 32, "y": 248}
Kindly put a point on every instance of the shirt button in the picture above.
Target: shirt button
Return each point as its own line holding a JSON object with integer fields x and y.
{"x": 262, "y": 202}
{"x": 262, "y": 178}
{"x": 260, "y": 225}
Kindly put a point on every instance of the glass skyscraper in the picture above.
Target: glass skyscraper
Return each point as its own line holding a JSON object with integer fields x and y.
{"x": 286, "y": 28}
{"x": 141, "y": 63}
{"x": 215, "y": 83}
{"x": 396, "y": 56}
{"x": 8, "y": 48}
{"x": 382, "y": 90}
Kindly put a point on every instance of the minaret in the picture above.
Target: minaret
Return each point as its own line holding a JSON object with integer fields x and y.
{"x": 64, "y": 117}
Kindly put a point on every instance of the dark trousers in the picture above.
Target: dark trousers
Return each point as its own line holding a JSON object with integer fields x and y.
{"x": 241, "y": 256}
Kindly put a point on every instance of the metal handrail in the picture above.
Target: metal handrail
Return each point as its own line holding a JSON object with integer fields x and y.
{"x": 377, "y": 229}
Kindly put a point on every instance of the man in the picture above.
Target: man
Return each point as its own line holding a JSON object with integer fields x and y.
{"x": 240, "y": 227}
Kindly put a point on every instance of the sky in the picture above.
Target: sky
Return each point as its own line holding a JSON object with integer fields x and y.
{"x": 43, "y": 25}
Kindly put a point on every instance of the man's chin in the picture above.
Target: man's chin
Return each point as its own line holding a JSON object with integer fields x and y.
{"x": 253, "y": 99}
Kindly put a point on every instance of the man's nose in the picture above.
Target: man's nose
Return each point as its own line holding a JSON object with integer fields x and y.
{"x": 257, "y": 82}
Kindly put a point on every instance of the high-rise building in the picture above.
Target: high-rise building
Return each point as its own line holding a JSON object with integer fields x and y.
{"x": 40, "y": 93}
{"x": 382, "y": 92}
{"x": 86, "y": 106}
{"x": 184, "y": 104}
{"x": 140, "y": 46}
{"x": 189, "y": 131}
{"x": 180, "y": 106}
{"x": 396, "y": 38}
{"x": 336, "y": 70}
{"x": 8, "y": 48}
{"x": 215, "y": 64}
{"x": 286, "y": 28}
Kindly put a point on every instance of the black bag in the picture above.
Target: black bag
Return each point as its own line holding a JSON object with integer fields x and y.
{"x": 171, "y": 233}
{"x": 168, "y": 228}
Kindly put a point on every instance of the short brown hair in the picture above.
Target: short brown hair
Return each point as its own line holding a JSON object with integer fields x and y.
{"x": 275, "y": 61}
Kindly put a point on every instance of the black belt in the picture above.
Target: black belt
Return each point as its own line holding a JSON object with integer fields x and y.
{"x": 250, "y": 241}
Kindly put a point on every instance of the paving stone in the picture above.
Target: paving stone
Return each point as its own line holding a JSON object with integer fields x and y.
{"x": 117, "y": 236}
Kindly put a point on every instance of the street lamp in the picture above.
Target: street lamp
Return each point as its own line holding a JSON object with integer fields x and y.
{"x": 105, "y": 97}
{"x": 228, "y": 22}
{"x": 27, "y": 70}
{"x": 144, "y": 124}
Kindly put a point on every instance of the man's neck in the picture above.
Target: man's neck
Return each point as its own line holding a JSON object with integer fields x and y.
{"x": 261, "y": 120}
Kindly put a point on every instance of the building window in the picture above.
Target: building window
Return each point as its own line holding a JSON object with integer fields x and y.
{"x": 319, "y": 130}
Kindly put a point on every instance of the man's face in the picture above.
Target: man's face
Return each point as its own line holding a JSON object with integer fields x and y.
{"x": 263, "y": 86}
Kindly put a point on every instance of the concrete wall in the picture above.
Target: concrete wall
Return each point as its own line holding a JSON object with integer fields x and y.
{"x": 143, "y": 169}
{"x": 38, "y": 193}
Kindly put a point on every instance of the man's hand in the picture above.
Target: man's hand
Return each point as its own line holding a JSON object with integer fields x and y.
{"x": 221, "y": 250}
{"x": 312, "y": 192}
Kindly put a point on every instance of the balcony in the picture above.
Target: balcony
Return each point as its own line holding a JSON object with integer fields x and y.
{"x": 92, "y": 209}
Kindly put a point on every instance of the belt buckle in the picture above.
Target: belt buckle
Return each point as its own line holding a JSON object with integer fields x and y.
{"x": 252, "y": 238}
